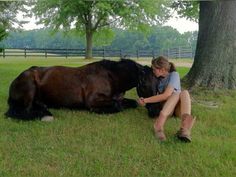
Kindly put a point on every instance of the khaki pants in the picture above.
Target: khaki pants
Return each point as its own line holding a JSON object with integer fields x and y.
{"x": 177, "y": 104}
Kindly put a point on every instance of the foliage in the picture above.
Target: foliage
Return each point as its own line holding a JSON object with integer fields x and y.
{"x": 104, "y": 37}
{"x": 79, "y": 143}
{"x": 158, "y": 38}
{"x": 42, "y": 38}
{"x": 90, "y": 17}
{"x": 188, "y": 9}
{"x": 99, "y": 14}
{"x": 3, "y": 32}
{"x": 8, "y": 12}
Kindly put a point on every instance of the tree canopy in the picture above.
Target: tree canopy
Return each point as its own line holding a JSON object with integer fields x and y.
{"x": 187, "y": 9}
{"x": 92, "y": 16}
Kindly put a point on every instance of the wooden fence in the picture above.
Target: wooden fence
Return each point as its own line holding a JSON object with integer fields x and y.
{"x": 175, "y": 53}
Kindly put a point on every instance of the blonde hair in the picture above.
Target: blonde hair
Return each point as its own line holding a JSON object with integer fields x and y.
{"x": 162, "y": 62}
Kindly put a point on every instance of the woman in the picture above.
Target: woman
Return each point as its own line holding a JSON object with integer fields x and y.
{"x": 173, "y": 99}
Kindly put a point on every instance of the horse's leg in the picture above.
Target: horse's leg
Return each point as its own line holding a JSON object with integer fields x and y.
{"x": 21, "y": 101}
{"x": 113, "y": 106}
{"x": 129, "y": 103}
{"x": 41, "y": 111}
{"x": 100, "y": 107}
{"x": 100, "y": 103}
{"x": 154, "y": 109}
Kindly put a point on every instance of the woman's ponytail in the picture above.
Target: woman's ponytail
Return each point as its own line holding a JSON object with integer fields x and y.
{"x": 172, "y": 67}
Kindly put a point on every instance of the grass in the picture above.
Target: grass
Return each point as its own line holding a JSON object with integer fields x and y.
{"x": 79, "y": 143}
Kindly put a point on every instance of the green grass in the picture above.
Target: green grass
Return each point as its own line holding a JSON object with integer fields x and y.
{"x": 79, "y": 143}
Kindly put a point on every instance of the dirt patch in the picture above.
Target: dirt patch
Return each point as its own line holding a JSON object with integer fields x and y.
{"x": 189, "y": 65}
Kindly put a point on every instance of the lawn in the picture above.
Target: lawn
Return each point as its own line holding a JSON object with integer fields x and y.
{"x": 79, "y": 143}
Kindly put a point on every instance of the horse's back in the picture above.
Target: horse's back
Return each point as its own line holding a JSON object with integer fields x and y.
{"x": 71, "y": 87}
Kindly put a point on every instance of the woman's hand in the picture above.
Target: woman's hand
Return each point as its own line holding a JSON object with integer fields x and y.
{"x": 141, "y": 101}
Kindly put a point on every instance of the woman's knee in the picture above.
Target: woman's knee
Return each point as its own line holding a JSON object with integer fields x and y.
{"x": 184, "y": 93}
{"x": 163, "y": 113}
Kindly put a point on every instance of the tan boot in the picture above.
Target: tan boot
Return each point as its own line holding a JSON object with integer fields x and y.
{"x": 184, "y": 134}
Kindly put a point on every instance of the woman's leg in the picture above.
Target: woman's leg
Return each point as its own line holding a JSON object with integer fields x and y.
{"x": 184, "y": 104}
{"x": 183, "y": 110}
{"x": 166, "y": 111}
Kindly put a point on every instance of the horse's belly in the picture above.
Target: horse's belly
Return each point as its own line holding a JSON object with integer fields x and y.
{"x": 67, "y": 97}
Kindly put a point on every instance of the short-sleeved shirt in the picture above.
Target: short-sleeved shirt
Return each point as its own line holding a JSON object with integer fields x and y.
{"x": 173, "y": 80}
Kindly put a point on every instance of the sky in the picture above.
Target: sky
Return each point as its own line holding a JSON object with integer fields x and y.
{"x": 181, "y": 24}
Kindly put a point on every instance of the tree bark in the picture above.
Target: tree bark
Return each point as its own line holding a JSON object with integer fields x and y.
{"x": 89, "y": 35}
{"x": 89, "y": 45}
{"x": 214, "y": 64}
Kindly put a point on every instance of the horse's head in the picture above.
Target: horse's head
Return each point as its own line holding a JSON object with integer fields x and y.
{"x": 147, "y": 82}
{"x": 147, "y": 86}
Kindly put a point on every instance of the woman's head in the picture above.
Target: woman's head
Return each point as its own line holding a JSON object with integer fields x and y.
{"x": 161, "y": 66}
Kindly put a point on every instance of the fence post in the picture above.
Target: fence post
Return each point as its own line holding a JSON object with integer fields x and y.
{"x": 168, "y": 53}
{"x": 137, "y": 54}
{"x": 66, "y": 52}
{"x": 25, "y": 52}
{"x": 191, "y": 52}
{"x": 3, "y": 53}
{"x": 103, "y": 53}
{"x": 46, "y": 53}
{"x": 179, "y": 53}
{"x": 153, "y": 54}
{"x": 120, "y": 53}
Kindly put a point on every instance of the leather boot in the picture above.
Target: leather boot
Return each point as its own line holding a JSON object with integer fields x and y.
{"x": 184, "y": 134}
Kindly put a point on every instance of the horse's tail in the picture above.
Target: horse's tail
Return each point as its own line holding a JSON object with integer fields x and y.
{"x": 22, "y": 93}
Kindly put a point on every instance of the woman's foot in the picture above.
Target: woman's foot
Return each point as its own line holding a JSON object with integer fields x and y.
{"x": 184, "y": 134}
{"x": 159, "y": 134}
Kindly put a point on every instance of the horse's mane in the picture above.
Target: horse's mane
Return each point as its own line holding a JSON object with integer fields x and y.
{"x": 117, "y": 65}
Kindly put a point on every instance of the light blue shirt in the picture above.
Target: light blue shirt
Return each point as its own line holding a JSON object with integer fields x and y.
{"x": 172, "y": 80}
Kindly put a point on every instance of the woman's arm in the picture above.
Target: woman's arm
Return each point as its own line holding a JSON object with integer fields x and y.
{"x": 158, "y": 98}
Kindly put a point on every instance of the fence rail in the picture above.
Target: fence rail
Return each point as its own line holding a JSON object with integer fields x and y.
{"x": 179, "y": 52}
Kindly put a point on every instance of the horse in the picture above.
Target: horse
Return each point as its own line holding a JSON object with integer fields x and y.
{"x": 148, "y": 86}
{"x": 98, "y": 87}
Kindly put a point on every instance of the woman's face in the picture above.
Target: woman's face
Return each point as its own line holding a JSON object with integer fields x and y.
{"x": 158, "y": 71}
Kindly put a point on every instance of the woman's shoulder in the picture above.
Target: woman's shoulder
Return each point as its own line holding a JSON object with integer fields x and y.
{"x": 174, "y": 74}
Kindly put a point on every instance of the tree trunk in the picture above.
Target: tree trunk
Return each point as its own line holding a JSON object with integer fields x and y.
{"x": 215, "y": 60}
{"x": 89, "y": 45}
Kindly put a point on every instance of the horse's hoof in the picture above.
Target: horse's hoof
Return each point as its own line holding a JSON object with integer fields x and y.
{"x": 47, "y": 118}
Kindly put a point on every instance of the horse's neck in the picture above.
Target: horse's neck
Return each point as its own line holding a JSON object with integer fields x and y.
{"x": 129, "y": 78}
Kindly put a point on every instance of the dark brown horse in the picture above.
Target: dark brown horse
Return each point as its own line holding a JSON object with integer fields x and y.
{"x": 98, "y": 87}
{"x": 147, "y": 86}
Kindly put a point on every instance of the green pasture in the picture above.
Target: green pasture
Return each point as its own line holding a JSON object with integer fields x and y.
{"x": 79, "y": 143}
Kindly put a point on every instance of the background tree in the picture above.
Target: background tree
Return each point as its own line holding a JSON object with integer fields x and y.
{"x": 90, "y": 17}
{"x": 8, "y": 11}
{"x": 214, "y": 63}
{"x": 125, "y": 40}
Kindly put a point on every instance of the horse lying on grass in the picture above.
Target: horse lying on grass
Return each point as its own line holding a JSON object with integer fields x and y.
{"x": 98, "y": 87}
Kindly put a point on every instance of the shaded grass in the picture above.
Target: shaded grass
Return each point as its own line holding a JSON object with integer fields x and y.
{"x": 79, "y": 143}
